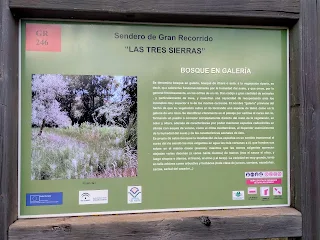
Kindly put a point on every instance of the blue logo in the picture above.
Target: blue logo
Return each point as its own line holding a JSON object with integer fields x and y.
{"x": 43, "y": 199}
{"x": 134, "y": 194}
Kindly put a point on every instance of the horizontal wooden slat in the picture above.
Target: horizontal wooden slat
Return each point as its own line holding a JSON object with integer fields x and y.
{"x": 189, "y": 11}
{"x": 165, "y": 6}
{"x": 224, "y": 224}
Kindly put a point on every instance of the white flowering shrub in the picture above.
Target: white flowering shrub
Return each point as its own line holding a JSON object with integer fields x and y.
{"x": 45, "y": 107}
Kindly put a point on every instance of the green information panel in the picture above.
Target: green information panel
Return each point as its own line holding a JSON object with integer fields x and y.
{"x": 118, "y": 118}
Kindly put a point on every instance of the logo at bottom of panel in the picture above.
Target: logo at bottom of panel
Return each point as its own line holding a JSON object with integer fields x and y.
{"x": 93, "y": 197}
{"x": 237, "y": 195}
{"x": 134, "y": 194}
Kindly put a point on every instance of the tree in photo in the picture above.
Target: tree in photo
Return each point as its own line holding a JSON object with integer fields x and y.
{"x": 46, "y": 109}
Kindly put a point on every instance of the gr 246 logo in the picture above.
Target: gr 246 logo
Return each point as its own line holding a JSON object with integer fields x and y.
{"x": 134, "y": 194}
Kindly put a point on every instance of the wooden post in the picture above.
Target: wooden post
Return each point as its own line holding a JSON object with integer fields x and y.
{"x": 305, "y": 115}
{"x": 8, "y": 118}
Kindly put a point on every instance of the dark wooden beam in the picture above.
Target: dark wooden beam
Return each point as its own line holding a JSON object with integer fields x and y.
{"x": 295, "y": 151}
{"x": 295, "y": 129}
{"x": 224, "y": 224}
{"x": 307, "y": 173}
{"x": 8, "y": 118}
{"x": 258, "y": 12}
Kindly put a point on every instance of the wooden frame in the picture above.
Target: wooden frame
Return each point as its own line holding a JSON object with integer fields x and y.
{"x": 228, "y": 224}
{"x": 258, "y": 12}
{"x": 8, "y": 118}
{"x": 305, "y": 121}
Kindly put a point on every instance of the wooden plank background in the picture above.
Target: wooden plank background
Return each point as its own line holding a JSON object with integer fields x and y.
{"x": 224, "y": 224}
{"x": 261, "y": 12}
{"x": 304, "y": 86}
{"x": 165, "y": 6}
{"x": 8, "y": 118}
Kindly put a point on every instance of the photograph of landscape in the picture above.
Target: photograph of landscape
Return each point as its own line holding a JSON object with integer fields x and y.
{"x": 83, "y": 126}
